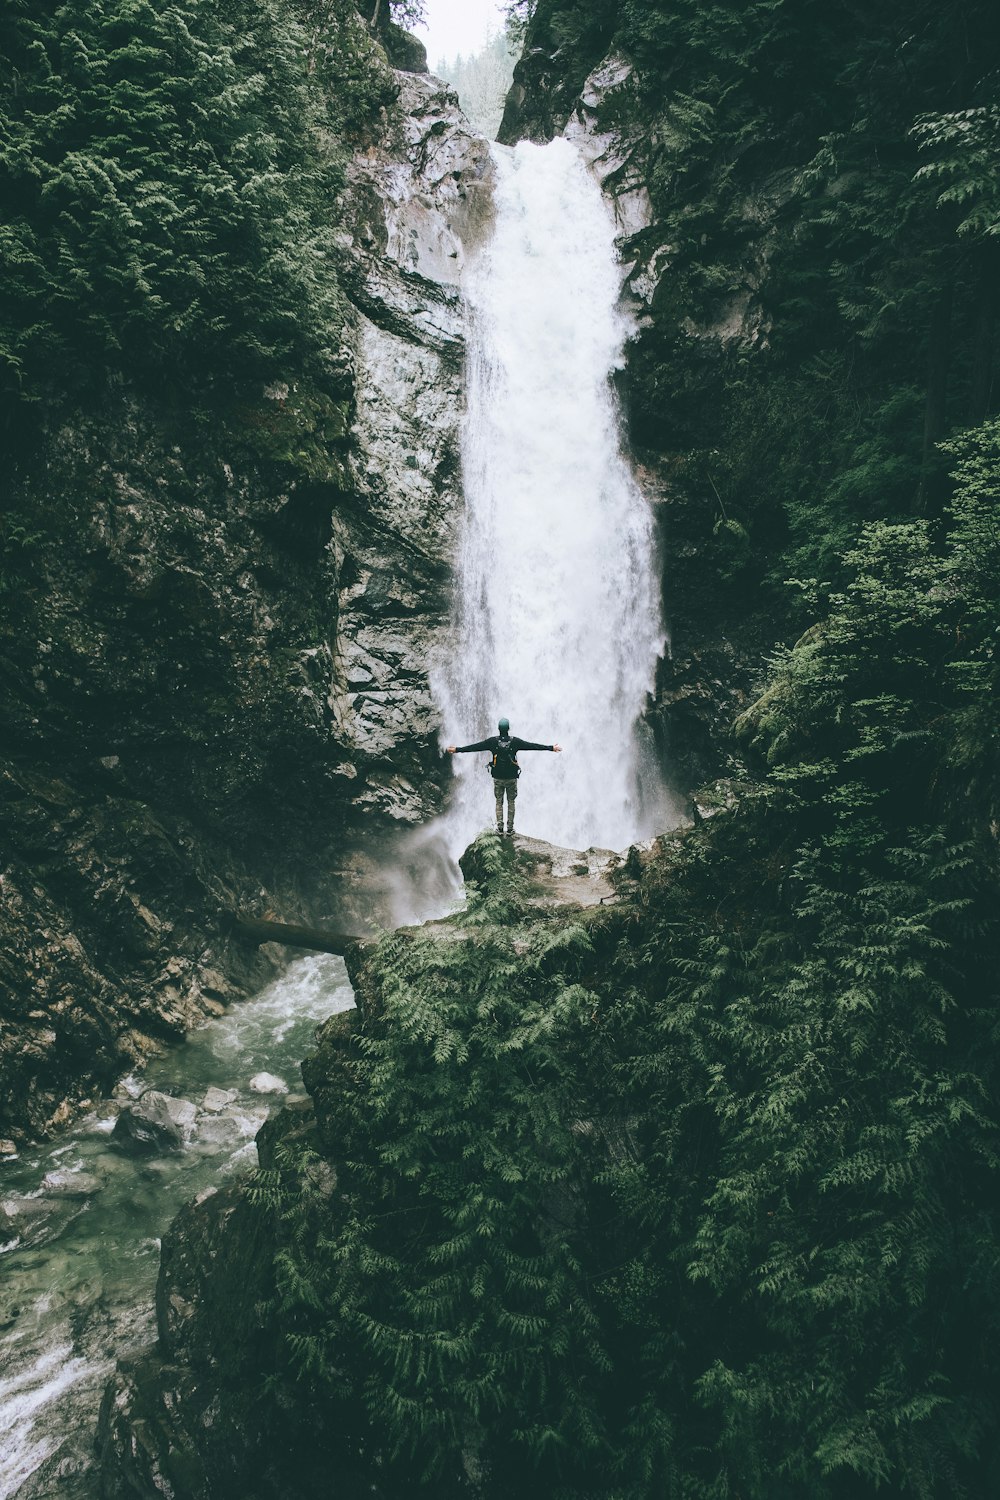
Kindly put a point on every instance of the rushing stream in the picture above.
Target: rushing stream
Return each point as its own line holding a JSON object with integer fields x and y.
{"x": 559, "y": 624}
{"x": 83, "y": 1220}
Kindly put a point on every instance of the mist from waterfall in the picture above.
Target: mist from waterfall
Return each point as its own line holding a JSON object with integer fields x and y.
{"x": 558, "y": 621}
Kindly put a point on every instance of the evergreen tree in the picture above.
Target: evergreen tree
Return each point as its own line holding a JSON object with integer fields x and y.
{"x": 167, "y": 186}
{"x": 481, "y": 81}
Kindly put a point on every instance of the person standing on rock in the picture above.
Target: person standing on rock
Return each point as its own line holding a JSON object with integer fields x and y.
{"x": 503, "y": 767}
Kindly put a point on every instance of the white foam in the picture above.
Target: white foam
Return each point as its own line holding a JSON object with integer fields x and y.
{"x": 24, "y": 1396}
{"x": 559, "y": 623}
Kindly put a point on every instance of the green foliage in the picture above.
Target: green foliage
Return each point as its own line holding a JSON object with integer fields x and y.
{"x": 824, "y": 187}
{"x": 20, "y": 538}
{"x": 964, "y": 147}
{"x": 298, "y": 427}
{"x": 449, "y": 1274}
{"x": 343, "y": 57}
{"x": 842, "y": 1012}
{"x": 697, "y": 1196}
{"x": 167, "y": 184}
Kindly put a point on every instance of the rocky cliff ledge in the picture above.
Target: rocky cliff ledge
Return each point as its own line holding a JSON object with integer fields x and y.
{"x": 216, "y": 673}
{"x": 415, "y": 207}
{"x": 192, "y": 1417}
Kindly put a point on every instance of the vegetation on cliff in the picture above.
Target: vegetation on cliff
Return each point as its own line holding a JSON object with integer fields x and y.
{"x": 170, "y": 174}
{"x": 695, "y": 1195}
{"x": 178, "y": 391}
{"x": 167, "y": 178}
{"x": 823, "y": 184}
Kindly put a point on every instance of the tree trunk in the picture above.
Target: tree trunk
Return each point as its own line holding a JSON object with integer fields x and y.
{"x": 258, "y": 930}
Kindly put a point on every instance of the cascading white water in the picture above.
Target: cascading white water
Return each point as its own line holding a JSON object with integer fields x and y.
{"x": 559, "y": 623}
{"x": 80, "y": 1227}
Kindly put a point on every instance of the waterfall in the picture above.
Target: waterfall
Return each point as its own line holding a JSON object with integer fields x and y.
{"x": 558, "y": 622}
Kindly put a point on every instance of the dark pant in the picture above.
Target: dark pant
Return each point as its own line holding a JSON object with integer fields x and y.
{"x": 510, "y": 787}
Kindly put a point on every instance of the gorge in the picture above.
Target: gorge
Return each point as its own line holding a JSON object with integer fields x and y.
{"x": 668, "y": 1171}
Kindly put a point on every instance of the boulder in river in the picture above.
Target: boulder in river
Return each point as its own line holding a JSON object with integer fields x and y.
{"x": 216, "y": 1099}
{"x": 30, "y": 1221}
{"x": 9, "y": 1227}
{"x": 267, "y": 1083}
{"x": 72, "y": 1184}
{"x": 154, "y": 1123}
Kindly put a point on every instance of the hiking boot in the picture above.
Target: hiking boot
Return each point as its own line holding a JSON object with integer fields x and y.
{"x": 500, "y": 830}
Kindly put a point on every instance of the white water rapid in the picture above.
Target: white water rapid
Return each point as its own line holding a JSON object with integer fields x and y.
{"x": 80, "y": 1223}
{"x": 558, "y": 617}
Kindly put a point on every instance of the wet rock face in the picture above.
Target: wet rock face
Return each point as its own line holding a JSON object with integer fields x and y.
{"x": 215, "y": 685}
{"x": 556, "y": 877}
{"x": 158, "y": 1432}
{"x": 416, "y": 207}
{"x": 107, "y": 941}
{"x": 190, "y": 1417}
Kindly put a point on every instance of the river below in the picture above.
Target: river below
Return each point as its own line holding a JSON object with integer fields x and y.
{"x": 82, "y": 1222}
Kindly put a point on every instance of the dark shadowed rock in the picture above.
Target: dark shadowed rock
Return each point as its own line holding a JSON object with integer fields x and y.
{"x": 405, "y": 51}
{"x": 216, "y": 692}
{"x": 153, "y": 1124}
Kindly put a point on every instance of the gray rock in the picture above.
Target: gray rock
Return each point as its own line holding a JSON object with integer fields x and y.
{"x": 36, "y": 1221}
{"x": 556, "y": 877}
{"x": 216, "y": 1132}
{"x": 268, "y": 1083}
{"x": 216, "y": 1099}
{"x": 153, "y": 1124}
{"x": 417, "y": 206}
{"x": 72, "y": 1184}
{"x": 404, "y": 50}
{"x": 10, "y": 1228}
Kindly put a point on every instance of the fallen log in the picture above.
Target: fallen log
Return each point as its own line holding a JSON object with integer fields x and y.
{"x": 260, "y": 930}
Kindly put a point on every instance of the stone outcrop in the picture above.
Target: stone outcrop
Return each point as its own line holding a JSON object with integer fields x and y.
{"x": 554, "y": 878}
{"x": 214, "y": 693}
{"x": 183, "y": 1420}
{"x": 414, "y": 209}
{"x": 154, "y": 1123}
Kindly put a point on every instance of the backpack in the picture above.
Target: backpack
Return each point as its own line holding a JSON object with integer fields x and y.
{"x": 504, "y": 766}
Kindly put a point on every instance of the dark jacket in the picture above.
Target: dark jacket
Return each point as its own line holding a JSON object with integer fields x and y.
{"x": 513, "y": 743}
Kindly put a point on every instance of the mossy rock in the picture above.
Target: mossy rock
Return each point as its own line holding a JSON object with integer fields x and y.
{"x": 300, "y": 428}
{"x": 405, "y": 51}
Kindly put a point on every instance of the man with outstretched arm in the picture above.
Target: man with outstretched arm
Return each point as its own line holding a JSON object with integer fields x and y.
{"x": 503, "y": 748}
